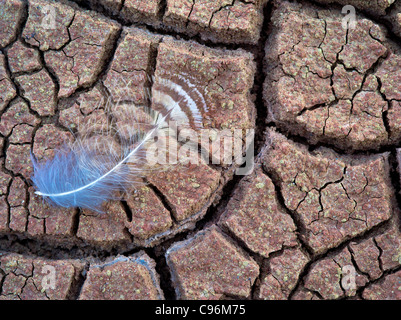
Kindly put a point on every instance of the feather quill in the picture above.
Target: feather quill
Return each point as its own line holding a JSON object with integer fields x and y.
{"x": 94, "y": 168}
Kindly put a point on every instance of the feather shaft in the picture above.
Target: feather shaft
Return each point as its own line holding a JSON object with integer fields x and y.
{"x": 147, "y": 137}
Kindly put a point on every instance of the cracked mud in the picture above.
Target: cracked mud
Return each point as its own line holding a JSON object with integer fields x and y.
{"x": 321, "y": 204}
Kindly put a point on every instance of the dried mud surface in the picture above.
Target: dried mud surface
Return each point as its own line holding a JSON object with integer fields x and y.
{"x": 317, "y": 218}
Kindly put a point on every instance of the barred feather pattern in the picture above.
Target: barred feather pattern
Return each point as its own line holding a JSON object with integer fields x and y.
{"x": 102, "y": 163}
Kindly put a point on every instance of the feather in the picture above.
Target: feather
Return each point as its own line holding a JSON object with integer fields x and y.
{"x": 99, "y": 165}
